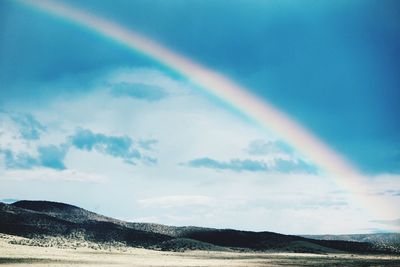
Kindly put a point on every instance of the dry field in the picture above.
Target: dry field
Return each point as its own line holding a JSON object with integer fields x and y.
{"x": 23, "y": 255}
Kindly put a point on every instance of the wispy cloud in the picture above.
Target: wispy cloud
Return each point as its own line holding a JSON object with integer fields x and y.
{"x": 238, "y": 165}
{"x": 234, "y": 164}
{"x": 294, "y": 166}
{"x": 175, "y": 201}
{"x": 19, "y": 160}
{"x": 388, "y": 222}
{"x": 139, "y": 91}
{"x": 389, "y": 192}
{"x": 265, "y": 147}
{"x": 47, "y": 174}
{"x": 28, "y": 127}
{"x": 324, "y": 203}
{"x": 147, "y": 143}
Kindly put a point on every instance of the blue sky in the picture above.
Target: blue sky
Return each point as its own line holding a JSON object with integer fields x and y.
{"x": 78, "y": 108}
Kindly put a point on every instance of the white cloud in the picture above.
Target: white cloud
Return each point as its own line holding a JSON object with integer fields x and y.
{"x": 47, "y": 174}
{"x": 176, "y": 201}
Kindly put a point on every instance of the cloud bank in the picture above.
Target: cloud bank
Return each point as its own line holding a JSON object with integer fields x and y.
{"x": 239, "y": 165}
{"x": 115, "y": 146}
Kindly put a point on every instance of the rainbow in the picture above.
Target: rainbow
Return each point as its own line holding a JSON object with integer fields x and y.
{"x": 261, "y": 111}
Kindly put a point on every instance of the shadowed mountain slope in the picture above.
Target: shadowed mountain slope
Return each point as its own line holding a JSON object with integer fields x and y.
{"x": 44, "y": 218}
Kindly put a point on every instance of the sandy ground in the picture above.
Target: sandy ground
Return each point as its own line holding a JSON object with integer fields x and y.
{"x": 22, "y": 255}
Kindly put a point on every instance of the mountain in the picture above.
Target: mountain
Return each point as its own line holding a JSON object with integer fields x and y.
{"x": 65, "y": 212}
{"x": 45, "y": 218}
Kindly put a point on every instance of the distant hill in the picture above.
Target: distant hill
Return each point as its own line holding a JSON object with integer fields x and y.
{"x": 44, "y": 218}
{"x": 389, "y": 241}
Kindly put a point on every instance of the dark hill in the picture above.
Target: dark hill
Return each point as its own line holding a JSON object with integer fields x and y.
{"x": 44, "y": 218}
{"x": 388, "y": 241}
{"x": 64, "y": 211}
{"x": 31, "y": 223}
{"x": 269, "y": 240}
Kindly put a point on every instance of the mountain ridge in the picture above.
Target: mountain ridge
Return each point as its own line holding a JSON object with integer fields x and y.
{"x": 45, "y": 218}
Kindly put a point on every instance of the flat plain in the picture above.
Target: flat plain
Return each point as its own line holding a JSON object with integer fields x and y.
{"x": 23, "y": 255}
